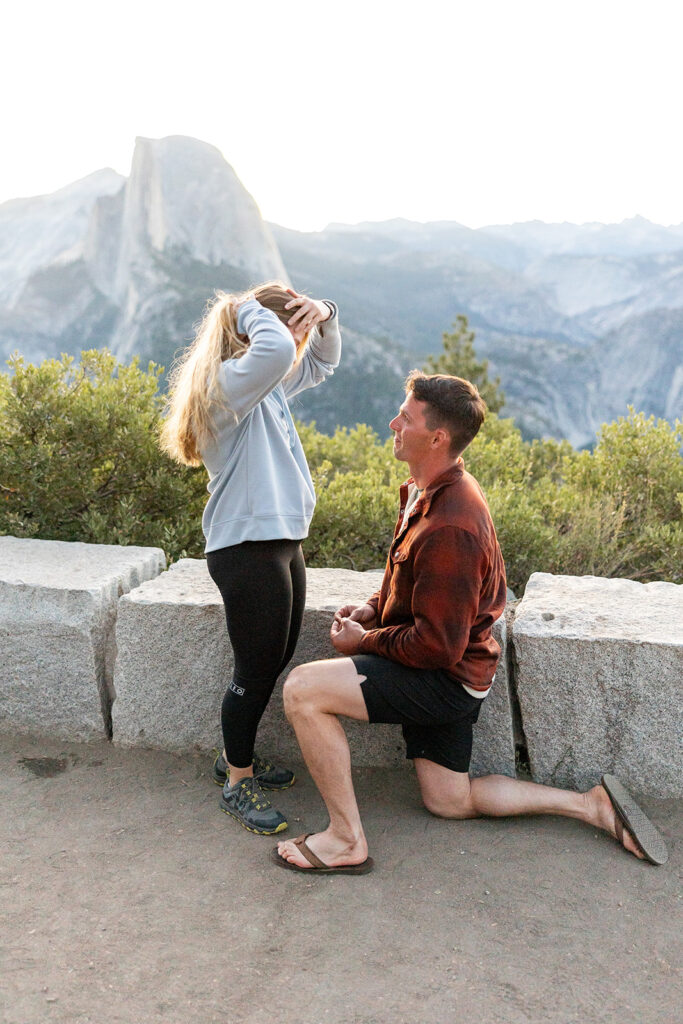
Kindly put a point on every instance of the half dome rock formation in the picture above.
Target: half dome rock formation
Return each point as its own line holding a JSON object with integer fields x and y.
{"x": 188, "y": 226}
{"x": 129, "y": 263}
{"x": 183, "y": 196}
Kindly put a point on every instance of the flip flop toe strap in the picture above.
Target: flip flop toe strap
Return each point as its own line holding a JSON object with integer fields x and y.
{"x": 619, "y": 828}
{"x": 300, "y": 842}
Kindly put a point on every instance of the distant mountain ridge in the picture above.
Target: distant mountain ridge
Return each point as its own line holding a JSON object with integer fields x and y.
{"x": 579, "y": 320}
{"x": 576, "y": 334}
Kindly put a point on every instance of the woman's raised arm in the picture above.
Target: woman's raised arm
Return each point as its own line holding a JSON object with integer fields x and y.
{"x": 246, "y": 381}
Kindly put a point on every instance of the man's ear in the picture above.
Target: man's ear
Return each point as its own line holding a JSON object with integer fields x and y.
{"x": 441, "y": 437}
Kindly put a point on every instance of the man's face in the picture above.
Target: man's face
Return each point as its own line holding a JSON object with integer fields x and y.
{"x": 412, "y": 436}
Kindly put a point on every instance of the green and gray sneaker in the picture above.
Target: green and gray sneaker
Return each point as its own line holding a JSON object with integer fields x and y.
{"x": 248, "y": 804}
{"x": 268, "y": 775}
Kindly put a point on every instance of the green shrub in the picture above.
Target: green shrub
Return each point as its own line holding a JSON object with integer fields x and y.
{"x": 356, "y": 479}
{"x": 613, "y": 512}
{"x": 79, "y": 460}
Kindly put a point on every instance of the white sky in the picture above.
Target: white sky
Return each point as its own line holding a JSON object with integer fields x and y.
{"x": 483, "y": 111}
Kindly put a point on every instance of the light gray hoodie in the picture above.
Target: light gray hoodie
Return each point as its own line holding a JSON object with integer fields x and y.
{"x": 259, "y": 486}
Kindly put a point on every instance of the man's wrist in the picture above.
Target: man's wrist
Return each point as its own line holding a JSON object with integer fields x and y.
{"x": 373, "y": 621}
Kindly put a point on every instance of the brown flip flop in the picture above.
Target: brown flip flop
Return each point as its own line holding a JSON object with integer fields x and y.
{"x": 627, "y": 814}
{"x": 317, "y": 866}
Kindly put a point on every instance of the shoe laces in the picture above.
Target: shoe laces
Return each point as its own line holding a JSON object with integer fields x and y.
{"x": 261, "y": 766}
{"x": 250, "y": 792}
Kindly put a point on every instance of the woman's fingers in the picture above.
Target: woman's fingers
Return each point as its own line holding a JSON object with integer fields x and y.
{"x": 306, "y": 316}
{"x": 304, "y": 305}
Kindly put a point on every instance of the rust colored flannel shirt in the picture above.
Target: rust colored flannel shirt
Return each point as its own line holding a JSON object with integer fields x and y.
{"x": 444, "y": 584}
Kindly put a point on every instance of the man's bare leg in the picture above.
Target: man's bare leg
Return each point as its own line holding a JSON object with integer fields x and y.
{"x": 314, "y": 695}
{"x": 454, "y": 795}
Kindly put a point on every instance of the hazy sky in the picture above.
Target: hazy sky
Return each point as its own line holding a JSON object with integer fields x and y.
{"x": 485, "y": 111}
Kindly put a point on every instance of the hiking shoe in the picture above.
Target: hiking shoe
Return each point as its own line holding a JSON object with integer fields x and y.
{"x": 268, "y": 774}
{"x": 247, "y": 802}
{"x": 272, "y": 777}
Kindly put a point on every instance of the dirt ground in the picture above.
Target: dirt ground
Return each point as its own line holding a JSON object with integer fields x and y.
{"x": 127, "y": 898}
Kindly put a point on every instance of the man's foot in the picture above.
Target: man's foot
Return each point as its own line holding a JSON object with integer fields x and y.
{"x": 248, "y": 804}
{"x": 328, "y": 848}
{"x": 603, "y": 815}
{"x": 269, "y": 775}
{"x": 625, "y": 821}
{"x": 317, "y": 866}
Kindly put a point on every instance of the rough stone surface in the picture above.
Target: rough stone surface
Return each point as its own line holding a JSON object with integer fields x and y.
{"x": 493, "y": 745}
{"x": 174, "y": 660}
{"x": 58, "y": 605}
{"x": 174, "y": 657}
{"x": 599, "y": 670}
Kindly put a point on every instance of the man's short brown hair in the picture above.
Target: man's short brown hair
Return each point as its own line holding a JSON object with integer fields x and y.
{"x": 452, "y": 403}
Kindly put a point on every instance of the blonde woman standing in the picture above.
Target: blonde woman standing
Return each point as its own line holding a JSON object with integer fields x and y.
{"x": 228, "y": 409}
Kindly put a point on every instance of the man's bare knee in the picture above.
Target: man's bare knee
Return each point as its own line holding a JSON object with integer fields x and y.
{"x": 443, "y": 807}
{"x": 329, "y": 687}
{"x": 445, "y": 794}
{"x": 299, "y": 688}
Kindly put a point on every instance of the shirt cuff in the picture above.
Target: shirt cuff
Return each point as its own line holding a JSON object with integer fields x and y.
{"x": 362, "y": 646}
{"x": 334, "y": 311}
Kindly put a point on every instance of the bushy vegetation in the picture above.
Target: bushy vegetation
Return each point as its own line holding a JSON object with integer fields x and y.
{"x": 79, "y": 460}
{"x": 616, "y": 511}
{"x": 79, "y": 457}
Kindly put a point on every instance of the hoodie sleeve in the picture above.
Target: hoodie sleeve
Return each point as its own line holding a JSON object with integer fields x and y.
{"x": 246, "y": 381}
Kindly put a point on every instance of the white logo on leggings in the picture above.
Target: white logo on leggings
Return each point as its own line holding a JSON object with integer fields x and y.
{"x": 239, "y": 690}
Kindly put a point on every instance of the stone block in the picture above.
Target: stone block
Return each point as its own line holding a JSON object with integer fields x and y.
{"x": 599, "y": 670}
{"x": 173, "y": 663}
{"x": 58, "y": 604}
{"x": 382, "y": 745}
{"x": 493, "y": 745}
{"x": 175, "y": 660}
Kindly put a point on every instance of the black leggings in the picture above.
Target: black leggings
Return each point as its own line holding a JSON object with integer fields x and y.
{"x": 263, "y": 586}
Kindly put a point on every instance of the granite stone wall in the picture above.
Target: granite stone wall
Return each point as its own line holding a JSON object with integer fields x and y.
{"x": 99, "y": 640}
{"x": 58, "y": 606}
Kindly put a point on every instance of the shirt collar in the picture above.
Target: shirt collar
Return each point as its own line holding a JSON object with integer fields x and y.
{"x": 438, "y": 483}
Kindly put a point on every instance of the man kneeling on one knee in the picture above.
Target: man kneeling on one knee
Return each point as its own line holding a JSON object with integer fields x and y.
{"x": 421, "y": 653}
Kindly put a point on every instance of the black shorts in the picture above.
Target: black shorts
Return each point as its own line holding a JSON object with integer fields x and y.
{"x": 436, "y": 712}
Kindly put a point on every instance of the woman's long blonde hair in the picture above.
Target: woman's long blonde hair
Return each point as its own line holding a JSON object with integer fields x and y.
{"x": 194, "y": 396}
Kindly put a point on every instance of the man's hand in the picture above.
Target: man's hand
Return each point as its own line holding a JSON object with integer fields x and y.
{"x": 363, "y": 613}
{"x": 305, "y": 318}
{"x": 346, "y": 636}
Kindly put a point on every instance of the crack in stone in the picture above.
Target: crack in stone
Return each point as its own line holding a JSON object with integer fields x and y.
{"x": 522, "y": 759}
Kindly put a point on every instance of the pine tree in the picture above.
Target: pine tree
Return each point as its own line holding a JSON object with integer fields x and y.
{"x": 460, "y": 359}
